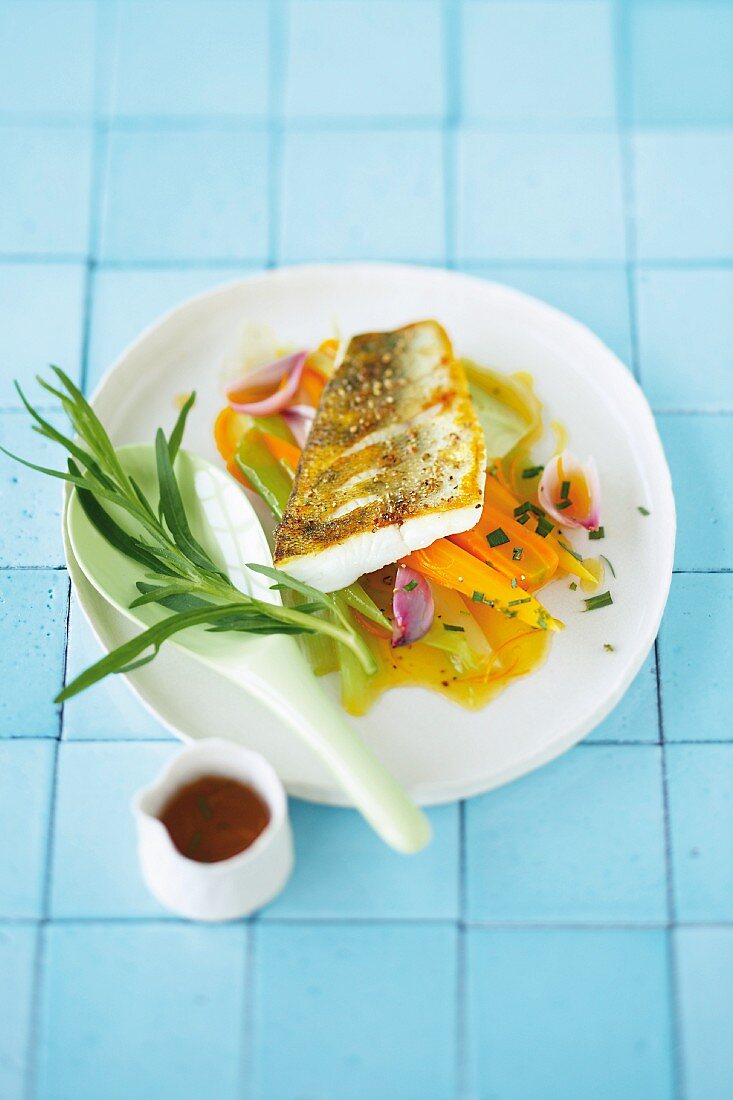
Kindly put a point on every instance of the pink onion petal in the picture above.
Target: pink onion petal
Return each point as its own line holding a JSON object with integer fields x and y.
{"x": 300, "y": 421}
{"x": 291, "y": 366}
{"x": 566, "y": 467}
{"x": 413, "y": 606}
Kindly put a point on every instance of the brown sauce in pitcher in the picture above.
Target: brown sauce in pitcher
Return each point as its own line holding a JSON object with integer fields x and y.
{"x": 214, "y": 818}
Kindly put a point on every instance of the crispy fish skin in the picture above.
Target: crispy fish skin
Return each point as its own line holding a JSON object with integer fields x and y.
{"x": 395, "y": 459}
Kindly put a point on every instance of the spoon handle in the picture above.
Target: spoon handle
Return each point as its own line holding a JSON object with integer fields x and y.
{"x": 312, "y": 716}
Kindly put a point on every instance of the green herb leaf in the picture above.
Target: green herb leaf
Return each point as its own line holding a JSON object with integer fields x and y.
{"x": 532, "y": 471}
{"x": 517, "y": 553}
{"x": 456, "y": 629}
{"x": 522, "y": 508}
{"x": 409, "y": 586}
{"x": 604, "y": 558}
{"x": 573, "y": 585}
{"x": 595, "y": 535}
{"x": 515, "y": 603}
{"x": 593, "y": 603}
{"x": 609, "y": 648}
{"x": 174, "y": 443}
{"x": 478, "y": 597}
{"x": 563, "y": 504}
{"x": 565, "y": 490}
{"x": 569, "y": 549}
{"x": 644, "y": 511}
{"x": 497, "y": 537}
{"x": 544, "y": 527}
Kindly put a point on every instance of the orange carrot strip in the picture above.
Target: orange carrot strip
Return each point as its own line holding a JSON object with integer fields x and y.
{"x": 281, "y": 449}
{"x": 453, "y": 567}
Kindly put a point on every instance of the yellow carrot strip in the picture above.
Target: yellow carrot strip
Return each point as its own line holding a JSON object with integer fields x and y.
{"x": 455, "y": 568}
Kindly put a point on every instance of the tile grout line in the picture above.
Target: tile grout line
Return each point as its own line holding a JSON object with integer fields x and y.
{"x": 624, "y": 90}
{"x": 672, "y": 968}
{"x": 277, "y": 45}
{"x": 32, "y": 1051}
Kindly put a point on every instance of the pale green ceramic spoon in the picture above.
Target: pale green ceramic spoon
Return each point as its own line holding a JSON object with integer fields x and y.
{"x": 270, "y": 667}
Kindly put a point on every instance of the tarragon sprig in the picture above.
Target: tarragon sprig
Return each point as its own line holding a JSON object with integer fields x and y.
{"x": 176, "y": 572}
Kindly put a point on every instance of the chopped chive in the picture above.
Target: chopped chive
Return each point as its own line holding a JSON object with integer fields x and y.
{"x": 456, "y": 629}
{"x": 573, "y": 585}
{"x": 523, "y": 519}
{"x": 514, "y": 582}
{"x": 600, "y": 533}
{"x": 609, "y": 648}
{"x": 409, "y": 586}
{"x": 563, "y": 504}
{"x": 497, "y": 537}
{"x": 644, "y": 511}
{"x": 532, "y": 471}
{"x": 522, "y": 508}
{"x": 515, "y": 603}
{"x": 537, "y": 511}
{"x": 593, "y": 603}
{"x": 544, "y": 527}
{"x": 517, "y": 553}
{"x": 573, "y": 553}
{"x": 604, "y": 558}
{"x": 565, "y": 490}
{"x": 492, "y": 470}
{"x": 478, "y": 597}
{"x": 203, "y": 805}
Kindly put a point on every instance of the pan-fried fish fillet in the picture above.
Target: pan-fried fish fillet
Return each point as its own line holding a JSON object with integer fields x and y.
{"x": 395, "y": 460}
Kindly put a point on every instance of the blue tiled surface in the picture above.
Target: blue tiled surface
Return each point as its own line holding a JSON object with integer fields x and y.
{"x": 610, "y": 862}
{"x": 705, "y": 962}
{"x": 376, "y": 75}
{"x": 223, "y": 174}
{"x": 26, "y": 768}
{"x": 568, "y": 936}
{"x": 567, "y": 1014}
{"x": 141, "y": 1010}
{"x": 368, "y": 1011}
{"x": 17, "y": 955}
{"x": 363, "y": 212}
{"x": 54, "y": 293}
{"x": 700, "y": 779}
{"x": 342, "y": 870}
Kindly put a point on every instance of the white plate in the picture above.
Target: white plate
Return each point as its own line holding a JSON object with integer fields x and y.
{"x": 438, "y": 750}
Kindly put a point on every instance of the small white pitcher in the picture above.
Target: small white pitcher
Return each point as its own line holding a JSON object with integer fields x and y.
{"x": 232, "y": 887}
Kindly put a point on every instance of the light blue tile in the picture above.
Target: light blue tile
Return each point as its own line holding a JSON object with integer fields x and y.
{"x": 549, "y": 62}
{"x": 142, "y": 1010}
{"x": 685, "y": 323}
{"x": 700, "y": 781}
{"x": 341, "y": 198}
{"x": 343, "y": 870}
{"x": 194, "y": 194}
{"x": 109, "y": 710}
{"x": 564, "y": 845}
{"x": 45, "y": 178}
{"x": 539, "y": 196}
{"x": 25, "y": 796}
{"x": 683, "y": 183}
{"x": 368, "y": 1011}
{"x": 17, "y": 955}
{"x": 95, "y": 865}
{"x": 597, "y": 296}
{"x": 184, "y": 58}
{"x": 126, "y": 302}
{"x": 41, "y": 322}
{"x": 636, "y": 718}
{"x": 31, "y": 530}
{"x": 365, "y": 60}
{"x": 681, "y": 62}
{"x": 47, "y": 56}
{"x": 705, "y": 970}
{"x": 568, "y": 1014}
{"x": 698, "y": 451}
{"x": 696, "y": 658}
{"x": 33, "y": 627}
